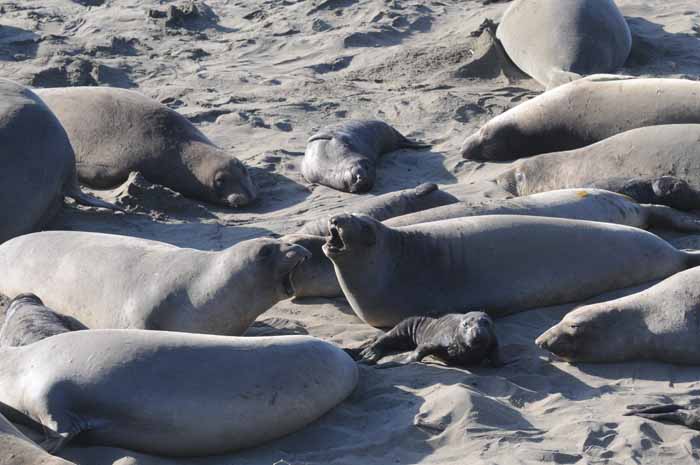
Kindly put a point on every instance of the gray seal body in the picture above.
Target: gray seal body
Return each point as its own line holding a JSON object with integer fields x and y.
{"x": 344, "y": 156}
{"x": 117, "y": 131}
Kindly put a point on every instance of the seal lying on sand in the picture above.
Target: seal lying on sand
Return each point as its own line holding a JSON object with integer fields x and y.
{"x": 38, "y": 163}
{"x": 27, "y": 321}
{"x": 117, "y": 131}
{"x": 575, "y": 204}
{"x": 557, "y": 41}
{"x": 108, "y": 281}
{"x": 344, "y": 156}
{"x": 660, "y": 323}
{"x": 582, "y": 113}
{"x": 389, "y": 274}
{"x": 654, "y": 152}
{"x": 423, "y": 197}
{"x": 174, "y": 394}
{"x": 464, "y": 340}
{"x": 671, "y": 413}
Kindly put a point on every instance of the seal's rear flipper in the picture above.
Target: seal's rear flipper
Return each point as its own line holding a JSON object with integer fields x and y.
{"x": 661, "y": 215}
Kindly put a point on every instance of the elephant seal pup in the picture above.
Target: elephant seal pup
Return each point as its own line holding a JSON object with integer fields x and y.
{"x": 671, "y": 413}
{"x": 28, "y": 320}
{"x": 119, "y": 388}
{"x": 556, "y": 42}
{"x": 344, "y": 156}
{"x": 389, "y": 274}
{"x": 109, "y": 281}
{"x": 37, "y": 163}
{"x": 17, "y": 449}
{"x": 458, "y": 339}
{"x": 423, "y": 197}
{"x": 576, "y": 204}
{"x": 582, "y": 113}
{"x": 661, "y": 153}
{"x": 314, "y": 277}
{"x": 117, "y": 131}
{"x": 657, "y": 324}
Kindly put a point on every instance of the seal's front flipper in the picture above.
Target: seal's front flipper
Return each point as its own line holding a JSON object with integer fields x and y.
{"x": 661, "y": 215}
{"x": 84, "y": 199}
{"x": 55, "y": 442}
{"x": 654, "y": 409}
{"x": 670, "y": 414}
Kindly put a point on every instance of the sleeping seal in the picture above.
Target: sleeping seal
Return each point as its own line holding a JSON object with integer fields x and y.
{"x": 576, "y": 204}
{"x": 344, "y": 156}
{"x": 557, "y": 41}
{"x": 660, "y": 153}
{"x": 174, "y": 394}
{"x": 117, "y": 131}
{"x": 660, "y": 323}
{"x": 38, "y": 163}
{"x": 109, "y": 281}
{"x": 389, "y": 274}
{"x": 584, "y": 112}
{"x": 463, "y": 340}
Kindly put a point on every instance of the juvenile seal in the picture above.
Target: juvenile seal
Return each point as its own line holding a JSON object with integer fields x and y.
{"x": 582, "y": 113}
{"x": 28, "y": 321}
{"x": 382, "y": 207}
{"x": 389, "y": 274}
{"x": 457, "y": 339}
{"x": 344, "y": 156}
{"x": 38, "y": 163}
{"x": 17, "y": 449}
{"x": 667, "y": 154}
{"x": 119, "y": 388}
{"x": 558, "y": 41}
{"x": 576, "y": 204}
{"x": 671, "y": 413}
{"x": 117, "y": 131}
{"x": 109, "y": 281}
{"x": 660, "y": 323}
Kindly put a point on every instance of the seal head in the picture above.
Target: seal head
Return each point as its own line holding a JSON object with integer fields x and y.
{"x": 350, "y": 233}
{"x": 227, "y": 182}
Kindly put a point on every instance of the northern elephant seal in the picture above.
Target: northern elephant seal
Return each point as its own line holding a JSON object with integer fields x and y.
{"x": 655, "y": 152}
{"x": 660, "y": 323}
{"x": 575, "y": 204}
{"x": 108, "y": 281}
{"x": 37, "y": 163}
{"x": 457, "y": 339}
{"x": 117, "y": 131}
{"x": 389, "y": 274}
{"x": 582, "y": 113}
{"x": 314, "y": 277}
{"x": 174, "y": 394}
{"x": 382, "y": 207}
{"x": 344, "y": 156}
{"x": 557, "y": 41}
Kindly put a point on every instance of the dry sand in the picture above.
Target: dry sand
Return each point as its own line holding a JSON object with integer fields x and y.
{"x": 259, "y": 77}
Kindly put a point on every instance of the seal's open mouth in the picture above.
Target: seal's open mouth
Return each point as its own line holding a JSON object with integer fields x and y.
{"x": 287, "y": 283}
{"x": 335, "y": 243}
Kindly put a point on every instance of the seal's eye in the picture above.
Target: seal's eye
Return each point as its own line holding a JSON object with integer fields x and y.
{"x": 220, "y": 181}
{"x": 519, "y": 176}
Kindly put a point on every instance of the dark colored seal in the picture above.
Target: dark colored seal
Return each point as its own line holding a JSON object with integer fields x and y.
{"x": 457, "y": 339}
{"x": 671, "y": 413}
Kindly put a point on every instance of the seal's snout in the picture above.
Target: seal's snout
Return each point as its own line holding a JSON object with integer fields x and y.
{"x": 360, "y": 182}
{"x": 294, "y": 255}
{"x": 472, "y": 147}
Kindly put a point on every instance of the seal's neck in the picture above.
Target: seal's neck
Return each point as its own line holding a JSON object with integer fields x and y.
{"x": 11, "y": 372}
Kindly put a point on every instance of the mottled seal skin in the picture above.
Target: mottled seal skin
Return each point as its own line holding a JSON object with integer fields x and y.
{"x": 576, "y": 204}
{"x": 660, "y": 323}
{"x": 582, "y": 113}
{"x": 457, "y": 339}
{"x": 28, "y": 321}
{"x": 344, "y": 156}
{"x": 557, "y": 41}
{"x": 38, "y": 163}
{"x": 667, "y": 155}
{"x": 174, "y": 394}
{"x": 117, "y": 131}
{"x": 446, "y": 266}
{"x": 109, "y": 281}
{"x": 423, "y": 197}
{"x": 670, "y": 413}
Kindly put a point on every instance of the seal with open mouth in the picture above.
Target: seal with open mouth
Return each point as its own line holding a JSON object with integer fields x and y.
{"x": 109, "y": 281}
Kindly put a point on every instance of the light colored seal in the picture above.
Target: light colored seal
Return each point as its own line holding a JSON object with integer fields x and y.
{"x": 576, "y": 204}
{"x": 651, "y": 152}
{"x": 423, "y": 197}
{"x": 117, "y": 131}
{"x": 108, "y": 281}
{"x": 174, "y": 394}
{"x": 660, "y": 323}
{"x": 37, "y": 163}
{"x": 344, "y": 156}
{"x": 557, "y": 41}
{"x": 501, "y": 263}
{"x": 582, "y": 113}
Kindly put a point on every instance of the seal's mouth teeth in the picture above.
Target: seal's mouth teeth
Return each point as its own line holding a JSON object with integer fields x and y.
{"x": 288, "y": 284}
{"x": 335, "y": 242}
